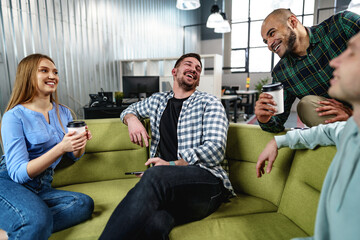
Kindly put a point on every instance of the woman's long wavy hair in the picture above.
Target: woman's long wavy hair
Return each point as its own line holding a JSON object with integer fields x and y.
{"x": 26, "y": 86}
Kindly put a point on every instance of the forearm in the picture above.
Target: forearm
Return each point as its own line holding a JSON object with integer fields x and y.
{"x": 128, "y": 118}
{"x": 274, "y": 125}
{"x": 79, "y": 153}
{"x": 40, "y": 164}
{"x": 208, "y": 155}
{"x": 138, "y": 109}
{"x": 181, "y": 162}
{"x": 323, "y": 135}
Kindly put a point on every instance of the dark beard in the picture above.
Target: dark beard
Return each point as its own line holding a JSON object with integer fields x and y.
{"x": 185, "y": 86}
{"x": 290, "y": 43}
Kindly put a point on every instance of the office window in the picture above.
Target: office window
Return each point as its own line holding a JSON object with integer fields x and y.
{"x": 248, "y": 52}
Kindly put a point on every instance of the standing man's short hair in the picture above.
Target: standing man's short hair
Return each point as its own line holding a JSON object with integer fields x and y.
{"x": 193, "y": 55}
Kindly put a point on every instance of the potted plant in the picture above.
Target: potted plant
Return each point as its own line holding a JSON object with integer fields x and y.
{"x": 261, "y": 83}
{"x": 118, "y": 98}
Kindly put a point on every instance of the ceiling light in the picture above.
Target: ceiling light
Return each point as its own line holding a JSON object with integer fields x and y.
{"x": 224, "y": 26}
{"x": 215, "y": 18}
{"x": 187, "y": 4}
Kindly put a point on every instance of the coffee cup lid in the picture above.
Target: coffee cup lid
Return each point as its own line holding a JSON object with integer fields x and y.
{"x": 75, "y": 124}
{"x": 272, "y": 87}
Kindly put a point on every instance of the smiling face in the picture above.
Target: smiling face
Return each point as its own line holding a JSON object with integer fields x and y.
{"x": 278, "y": 36}
{"x": 187, "y": 74}
{"x": 345, "y": 84}
{"x": 47, "y": 77}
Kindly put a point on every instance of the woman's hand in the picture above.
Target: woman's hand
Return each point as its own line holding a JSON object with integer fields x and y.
{"x": 74, "y": 142}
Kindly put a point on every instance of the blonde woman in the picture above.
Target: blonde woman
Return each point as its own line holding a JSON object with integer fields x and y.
{"x": 35, "y": 137}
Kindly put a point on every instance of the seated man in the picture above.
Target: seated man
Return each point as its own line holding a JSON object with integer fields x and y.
{"x": 304, "y": 67}
{"x": 338, "y": 216}
{"x": 187, "y": 183}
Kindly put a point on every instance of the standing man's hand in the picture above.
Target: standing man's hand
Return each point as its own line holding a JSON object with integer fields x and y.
{"x": 137, "y": 131}
{"x": 263, "y": 110}
{"x": 268, "y": 154}
{"x": 333, "y": 107}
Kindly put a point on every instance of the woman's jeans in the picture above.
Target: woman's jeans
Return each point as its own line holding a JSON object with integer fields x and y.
{"x": 165, "y": 196}
{"x": 35, "y": 210}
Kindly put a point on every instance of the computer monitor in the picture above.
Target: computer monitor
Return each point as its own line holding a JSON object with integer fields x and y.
{"x": 140, "y": 86}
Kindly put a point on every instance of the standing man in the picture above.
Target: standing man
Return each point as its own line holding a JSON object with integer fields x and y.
{"x": 304, "y": 67}
{"x": 187, "y": 183}
{"x": 338, "y": 214}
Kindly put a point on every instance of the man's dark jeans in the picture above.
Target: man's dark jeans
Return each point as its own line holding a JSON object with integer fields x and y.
{"x": 165, "y": 196}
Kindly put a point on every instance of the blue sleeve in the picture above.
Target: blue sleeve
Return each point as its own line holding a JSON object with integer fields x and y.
{"x": 323, "y": 135}
{"x": 16, "y": 154}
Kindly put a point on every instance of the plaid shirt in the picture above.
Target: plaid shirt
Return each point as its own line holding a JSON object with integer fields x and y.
{"x": 201, "y": 131}
{"x": 310, "y": 74}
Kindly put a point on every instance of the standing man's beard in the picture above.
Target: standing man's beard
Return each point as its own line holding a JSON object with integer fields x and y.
{"x": 290, "y": 43}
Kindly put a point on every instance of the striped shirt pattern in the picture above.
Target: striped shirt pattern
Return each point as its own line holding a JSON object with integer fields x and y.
{"x": 201, "y": 131}
{"x": 310, "y": 74}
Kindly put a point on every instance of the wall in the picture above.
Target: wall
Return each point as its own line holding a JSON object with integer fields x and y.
{"x": 86, "y": 37}
{"x": 323, "y": 10}
{"x": 214, "y": 46}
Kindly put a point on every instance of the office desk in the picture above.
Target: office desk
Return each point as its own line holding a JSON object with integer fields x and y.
{"x": 226, "y": 100}
{"x": 103, "y": 112}
{"x": 250, "y": 97}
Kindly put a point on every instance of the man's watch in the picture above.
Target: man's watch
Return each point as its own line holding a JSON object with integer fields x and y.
{"x": 172, "y": 163}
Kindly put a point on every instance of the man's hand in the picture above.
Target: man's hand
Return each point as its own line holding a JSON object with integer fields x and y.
{"x": 137, "y": 131}
{"x": 268, "y": 154}
{"x": 263, "y": 110}
{"x": 333, "y": 107}
{"x": 156, "y": 162}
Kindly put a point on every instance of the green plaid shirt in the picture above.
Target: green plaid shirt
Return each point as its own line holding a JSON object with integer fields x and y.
{"x": 310, "y": 74}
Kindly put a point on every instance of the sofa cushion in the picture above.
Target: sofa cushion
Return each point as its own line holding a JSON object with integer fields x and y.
{"x": 242, "y": 205}
{"x": 302, "y": 191}
{"x": 93, "y": 167}
{"x": 106, "y": 195}
{"x": 108, "y": 155}
{"x": 244, "y": 145}
{"x": 246, "y": 227}
{"x": 109, "y": 135}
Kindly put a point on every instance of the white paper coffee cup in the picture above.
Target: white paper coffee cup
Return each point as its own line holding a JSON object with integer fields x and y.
{"x": 77, "y": 126}
{"x": 276, "y": 90}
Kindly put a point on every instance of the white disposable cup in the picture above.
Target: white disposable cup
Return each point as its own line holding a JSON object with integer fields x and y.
{"x": 77, "y": 126}
{"x": 276, "y": 90}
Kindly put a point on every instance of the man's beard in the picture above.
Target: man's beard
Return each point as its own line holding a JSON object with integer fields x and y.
{"x": 290, "y": 43}
{"x": 187, "y": 86}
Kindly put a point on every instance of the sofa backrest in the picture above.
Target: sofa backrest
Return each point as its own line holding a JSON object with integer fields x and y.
{"x": 302, "y": 190}
{"x": 244, "y": 145}
{"x": 108, "y": 155}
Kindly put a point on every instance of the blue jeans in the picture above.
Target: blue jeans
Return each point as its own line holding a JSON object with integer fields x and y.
{"x": 165, "y": 196}
{"x": 35, "y": 210}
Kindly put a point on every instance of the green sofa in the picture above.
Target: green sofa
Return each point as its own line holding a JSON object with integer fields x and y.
{"x": 280, "y": 205}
